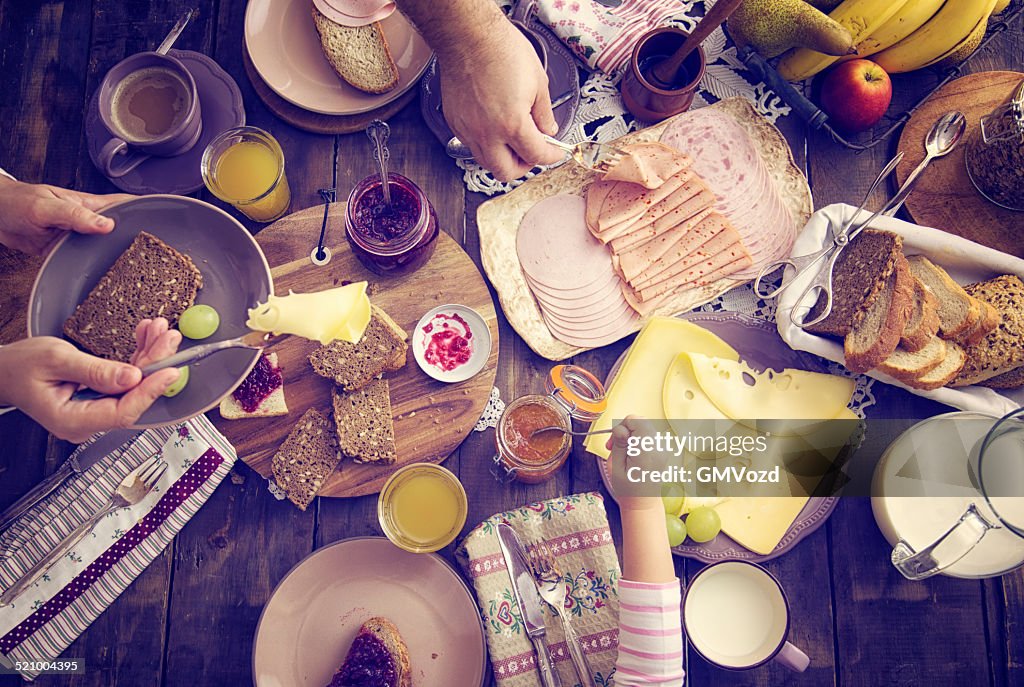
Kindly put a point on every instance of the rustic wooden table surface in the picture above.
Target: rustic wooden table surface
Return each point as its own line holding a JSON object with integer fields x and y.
{"x": 190, "y": 618}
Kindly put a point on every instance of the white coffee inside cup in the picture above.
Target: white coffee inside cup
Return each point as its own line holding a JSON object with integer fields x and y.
{"x": 148, "y": 103}
{"x": 735, "y": 615}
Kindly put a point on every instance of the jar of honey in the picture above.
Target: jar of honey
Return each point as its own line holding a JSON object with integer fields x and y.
{"x": 572, "y": 393}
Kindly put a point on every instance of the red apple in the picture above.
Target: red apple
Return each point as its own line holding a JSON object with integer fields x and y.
{"x": 855, "y": 95}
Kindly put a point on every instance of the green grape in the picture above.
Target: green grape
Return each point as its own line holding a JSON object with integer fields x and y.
{"x": 198, "y": 322}
{"x": 179, "y": 384}
{"x": 703, "y": 524}
{"x": 676, "y": 530}
{"x": 672, "y": 497}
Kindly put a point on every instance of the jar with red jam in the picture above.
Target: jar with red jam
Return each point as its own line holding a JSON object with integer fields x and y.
{"x": 572, "y": 393}
{"x": 393, "y": 239}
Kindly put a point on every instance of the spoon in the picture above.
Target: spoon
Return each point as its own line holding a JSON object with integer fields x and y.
{"x": 943, "y": 137}
{"x": 665, "y": 73}
{"x": 563, "y": 430}
{"x": 179, "y": 26}
{"x": 378, "y": 131}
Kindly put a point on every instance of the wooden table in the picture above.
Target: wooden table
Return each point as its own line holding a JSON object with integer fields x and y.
{"x": 190, "y": 618}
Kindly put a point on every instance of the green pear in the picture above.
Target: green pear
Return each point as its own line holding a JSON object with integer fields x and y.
{"x": 774, "y": 26}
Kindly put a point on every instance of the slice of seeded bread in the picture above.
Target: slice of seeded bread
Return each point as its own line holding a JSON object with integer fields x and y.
{"x": 860, "y": 273}
{"x": 944, "y": 373}
{"x": 1008, "y": 380}
{"x": 907, "y": 365}
{"x": 360, "y": 55}
{"x": 306, "y": 458}
{"x": 989, "y": 320}
{"x": 150, "y": 279}
{"x": 353, "y": 366}
{"x": 958, "y": 312}
{"x": 375, "y": 631}
{"x": 366, "y": 431}
{"x": 1002, "y": 349}
{"x": 272, "y": 406}
{"x": 923, "y": 324}
{"x": 876, "y": 336}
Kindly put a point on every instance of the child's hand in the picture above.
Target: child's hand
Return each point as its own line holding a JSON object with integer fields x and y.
{"x": 621, "y": 461}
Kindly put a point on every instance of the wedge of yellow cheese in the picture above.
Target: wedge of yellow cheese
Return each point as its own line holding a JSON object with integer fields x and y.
{"x": 325, "y": 316}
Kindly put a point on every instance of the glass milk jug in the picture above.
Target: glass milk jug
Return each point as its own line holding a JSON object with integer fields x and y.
{"x": 948, "y": 495}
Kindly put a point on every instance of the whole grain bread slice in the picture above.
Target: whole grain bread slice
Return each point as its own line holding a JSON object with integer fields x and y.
{"x": 149, "y": 279}
{"x": 352, "y": 366}
{"x": 989, "y": 320}
{"x": 359, "y": 55}
{"x": 958, "y": 312}
{"x": 942, "y": 374}
{"x": 1008, "y": 380}
{"x": 366, "y": 430}
{"x": 273, "y": 405}
{"x": 923, "y": 323}
{"x": 1002, "y": 349}
{"x": 375, "y": 632}
{"x": 907, "y": 365}
{"x": 876, "y": 336}
{"x": 306, "y": 458}
{"x": 861, "y": 271}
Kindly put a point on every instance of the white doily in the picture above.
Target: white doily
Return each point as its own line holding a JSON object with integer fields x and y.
{"x": 492, "y": 412}
{"x": 602, "y": 116}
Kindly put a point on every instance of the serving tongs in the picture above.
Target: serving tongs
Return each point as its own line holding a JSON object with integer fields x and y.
{"x": 821, "y": 282}
{"x": 256, "y": 341}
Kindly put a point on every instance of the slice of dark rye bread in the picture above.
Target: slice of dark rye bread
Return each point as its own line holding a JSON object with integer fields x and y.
{"x": 366, "y": 430}
{"x": 306, "y": 458}
{"x": 876, "y": 336}
{"x": 353, "y": 366}
{"x": 375, "y": 631}
{"x": 149, "y": 279}
{"x": 1002, "y": 349}
{"x": 861, "y": 271}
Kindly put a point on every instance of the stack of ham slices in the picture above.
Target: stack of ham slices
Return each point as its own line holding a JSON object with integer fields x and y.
{"x": 663, "y": 225}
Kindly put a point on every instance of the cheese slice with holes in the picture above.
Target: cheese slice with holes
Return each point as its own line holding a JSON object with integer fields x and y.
{"x": 325, "y": 316}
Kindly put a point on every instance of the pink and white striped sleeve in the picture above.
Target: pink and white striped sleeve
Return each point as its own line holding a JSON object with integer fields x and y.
{"x": 650, "y": 635}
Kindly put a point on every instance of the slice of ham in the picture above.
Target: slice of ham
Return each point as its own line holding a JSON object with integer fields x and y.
{"x": 642, "y": 233}
{"x": 647, "y": 164}
{"x": 643, "y": 308}
{"x": 724, "y": 238}
{"x": 575, "y": 319}
{"x": 570, "y": 298}
{"x": 597, "y": 335}
{"x": 596, "y": 194}
{"x": 728, "y": 270}
{"x": 696, "y": 269}
{"x": 608, "y": 305}
{"x": 629, "y": 201}
{"x": 672, "y": 245}
{"x": 556, "y": 250}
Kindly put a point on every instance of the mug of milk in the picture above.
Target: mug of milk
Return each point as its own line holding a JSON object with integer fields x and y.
{"x": 948, "y": 495}
{"x": 737, "y": 617}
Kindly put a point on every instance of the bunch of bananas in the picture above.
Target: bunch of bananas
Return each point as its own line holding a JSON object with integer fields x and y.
{"x": 902, "y": 36}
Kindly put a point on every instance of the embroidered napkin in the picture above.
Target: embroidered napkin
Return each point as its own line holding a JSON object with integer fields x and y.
{"x": 52, "y": 613}
{"x": 602, "y": 37}
{"x": 576, "y": 530}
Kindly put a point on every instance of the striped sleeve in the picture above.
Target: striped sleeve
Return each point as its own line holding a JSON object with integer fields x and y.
{"x": 650, "y": 635}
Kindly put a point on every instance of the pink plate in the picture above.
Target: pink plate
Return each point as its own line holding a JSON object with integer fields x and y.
{"x": 312, "y": 617}
{"x": 758, "y": 343}
{"x": 285, "y": 49}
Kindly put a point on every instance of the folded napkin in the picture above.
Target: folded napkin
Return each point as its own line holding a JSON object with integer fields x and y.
{"x": 50, "y": 615}
{"x": 965, "y": 261}
{"x": 576, "y": 530}
{"x": 602, "y": 37}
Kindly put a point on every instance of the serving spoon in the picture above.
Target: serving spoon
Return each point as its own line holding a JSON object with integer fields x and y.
{"x": 563, "y": 430}
{"x": 666, "y": 73}
{"x": 940, "y": 141}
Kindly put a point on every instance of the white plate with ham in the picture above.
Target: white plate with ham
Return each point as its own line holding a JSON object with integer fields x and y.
{"x": 580, "y": 260}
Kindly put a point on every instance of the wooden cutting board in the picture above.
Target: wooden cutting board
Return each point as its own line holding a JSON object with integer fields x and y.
{"x": 944, "y": 197}
{"x": 431, "y": 418}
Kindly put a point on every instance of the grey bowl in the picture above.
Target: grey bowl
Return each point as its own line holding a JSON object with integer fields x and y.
{"x": 235, "y": 277}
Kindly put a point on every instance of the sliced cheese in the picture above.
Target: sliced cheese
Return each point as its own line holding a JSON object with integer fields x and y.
{"x": 342, "y": 313}
{"x": 638, "y": 386}
{"x": 759, "y": 523}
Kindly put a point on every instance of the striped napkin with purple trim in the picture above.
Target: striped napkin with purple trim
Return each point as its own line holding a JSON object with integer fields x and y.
{"x": 52, "y": 613}
{"x": 603, "y": 37}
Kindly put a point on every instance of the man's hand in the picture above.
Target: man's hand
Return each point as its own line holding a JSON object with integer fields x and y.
{"x": 39, "y": 375}
{"x": 34, "y": 216}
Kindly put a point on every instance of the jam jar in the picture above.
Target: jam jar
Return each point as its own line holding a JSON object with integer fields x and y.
{"x": 572, "y": 393}
{"x": 995, "y": 154}
{"x": 391, "y": 239}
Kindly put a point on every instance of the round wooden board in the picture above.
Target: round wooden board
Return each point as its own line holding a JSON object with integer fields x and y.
{"x": 314, "y": 121}
{"x": 944, "y": 197}
{"x": 431, "y": 418}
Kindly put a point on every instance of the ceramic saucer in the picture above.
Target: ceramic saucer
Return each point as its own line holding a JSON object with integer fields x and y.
{"x": 221, "y": 102}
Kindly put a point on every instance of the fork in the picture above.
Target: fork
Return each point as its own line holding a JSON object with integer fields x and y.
{"x": 132, "y": 489}
{"x": 600, "y": 157}
{"x": 552, "y": 590}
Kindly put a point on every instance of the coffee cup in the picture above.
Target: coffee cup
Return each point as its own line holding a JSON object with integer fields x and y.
{"x": 737, "y": 617}
{"x": 149, "y": 104}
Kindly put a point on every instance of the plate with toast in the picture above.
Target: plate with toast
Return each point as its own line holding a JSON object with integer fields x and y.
{"x": 165, "y": 254}
{"x": 314, "y": 62}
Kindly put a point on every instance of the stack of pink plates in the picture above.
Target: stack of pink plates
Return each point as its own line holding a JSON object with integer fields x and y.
{"x": 571, "y": 274}
{"x": 355, "y": 12}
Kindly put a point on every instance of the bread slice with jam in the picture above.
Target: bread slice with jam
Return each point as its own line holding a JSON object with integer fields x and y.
{"x": 378, "y": 657}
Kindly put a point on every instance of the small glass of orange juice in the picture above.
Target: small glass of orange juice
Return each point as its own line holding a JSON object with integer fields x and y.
{"x": 422, "y": 507}
{"x": 245, "y": 167}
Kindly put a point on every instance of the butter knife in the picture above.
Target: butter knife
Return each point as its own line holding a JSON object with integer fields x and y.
{"x": 524, "y": 587}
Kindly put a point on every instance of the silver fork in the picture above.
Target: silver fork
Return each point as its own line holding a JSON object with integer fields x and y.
{"x": 132, "y": 489}
{"x": 599, "y": 157}
{"x": 552, "y": 590}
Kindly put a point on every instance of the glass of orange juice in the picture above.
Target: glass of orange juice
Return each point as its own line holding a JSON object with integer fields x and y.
{"x": 245, "y": 167}
{"x": 422, "y": 507}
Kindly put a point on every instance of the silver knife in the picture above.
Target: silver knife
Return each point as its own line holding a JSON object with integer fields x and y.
{"x": 75, "y": 465}
{"x": 524, "y": 587}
